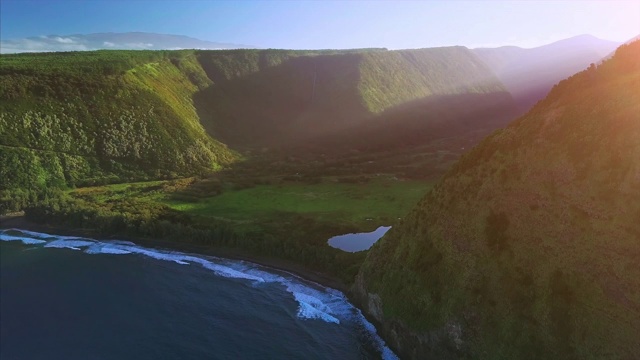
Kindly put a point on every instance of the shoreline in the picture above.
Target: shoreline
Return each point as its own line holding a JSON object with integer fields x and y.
{"x": 18, "y": 221}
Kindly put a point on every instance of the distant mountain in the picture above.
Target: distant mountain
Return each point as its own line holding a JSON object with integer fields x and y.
{"x": 529, "y": 74}
{"x": 121, "y": 41}
{"x": 633, "y": 39}
{"x": 528, "y": 247}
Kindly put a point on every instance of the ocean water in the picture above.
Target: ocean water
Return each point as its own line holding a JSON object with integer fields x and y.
{"x": 73, "y": 298}
{"x": 358, "y": 241}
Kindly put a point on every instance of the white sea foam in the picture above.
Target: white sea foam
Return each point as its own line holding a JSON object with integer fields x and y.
{"x": 69, "y": 244}
{"x": 25, "y": 240}
{"x": 102, "y": 248}
{"x": 314, "y": 301}
{"x": 314, "y": 304}
{"x": 120, "y": 247}
{"x": 226, "y": 271}
{"x": 310, "y": 310}
{"x": 121, "y": 242}
{"x": 386, "y": 353}
{"x": 318, "y": 302}
{"x": 40, "y": 235}
{"x": 26, "y": 232}
{"x": 158, "y": 255}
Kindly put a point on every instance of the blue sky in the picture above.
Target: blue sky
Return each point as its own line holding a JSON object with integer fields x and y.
{"x": 331, "y": 24}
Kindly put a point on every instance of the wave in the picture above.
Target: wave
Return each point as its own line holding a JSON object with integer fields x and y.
{"x": 102, "y": 248}
{"x": 69, "y": 244}
{"x": 314, "y": 300}
{"x": 24, "y": 240}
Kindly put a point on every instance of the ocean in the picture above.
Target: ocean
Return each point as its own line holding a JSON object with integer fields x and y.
{"x": 65, "y": 297}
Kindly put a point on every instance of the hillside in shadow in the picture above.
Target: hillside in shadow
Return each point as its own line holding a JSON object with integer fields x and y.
{"x": 278, "y": 98}
{"x": 528, "y": 246}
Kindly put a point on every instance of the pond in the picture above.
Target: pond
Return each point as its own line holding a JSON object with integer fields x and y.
{"x": 358, "y": 241}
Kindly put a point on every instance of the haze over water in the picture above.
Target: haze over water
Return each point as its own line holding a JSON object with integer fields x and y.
{"x": 74, "y": 298}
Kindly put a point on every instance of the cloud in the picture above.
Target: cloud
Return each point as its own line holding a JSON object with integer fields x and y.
{"x": 138, "y": 45}
{"x": 41, "y": 44}
{"x": 58, "y": 43}
{"x": 63, "y": 40}
{"x": 123, "y": 41}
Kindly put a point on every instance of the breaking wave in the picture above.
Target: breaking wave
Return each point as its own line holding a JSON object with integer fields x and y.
{"x": 314, "y": 300}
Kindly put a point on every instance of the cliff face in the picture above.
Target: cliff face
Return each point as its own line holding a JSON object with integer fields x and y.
{"x": 91, "y": 118}
{"x": 302, "y": 94}
{"x": 95, "y": 117}
{"x": 528, "y": 247}
{"x": 86, "y": 118}
{"x": 445, "y": 342}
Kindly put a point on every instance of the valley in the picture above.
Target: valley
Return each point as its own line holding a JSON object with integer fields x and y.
{"x": 500, "y": 223}
{"x": 527, "y": 247}
{"x": 333, "y": 143}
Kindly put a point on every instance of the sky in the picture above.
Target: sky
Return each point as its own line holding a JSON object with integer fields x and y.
{"x": 330, "y": 24}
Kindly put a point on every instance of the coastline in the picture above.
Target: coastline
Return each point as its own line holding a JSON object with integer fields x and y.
{"x": 18, "y": 221}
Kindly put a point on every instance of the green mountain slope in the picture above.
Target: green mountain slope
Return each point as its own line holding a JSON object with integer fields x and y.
{"x": 75, "y": 119}
{"x": 295, "y": 95}
{"x": 86, "y": 118}
{"x": 529, "y": 247}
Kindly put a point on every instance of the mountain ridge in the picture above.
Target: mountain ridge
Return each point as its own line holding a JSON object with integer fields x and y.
{"x": 529, "y": 73}
{"x": 111, "y": 40}
{"x": 61, "y": 122}
{"x": 511, "y": 254}
{"x": 320, "y": 92}
{"x": 90, "y": 118}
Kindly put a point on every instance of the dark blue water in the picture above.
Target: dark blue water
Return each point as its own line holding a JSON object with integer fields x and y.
{"x": 358, "y": 241}
{"x": 71, "y": 298}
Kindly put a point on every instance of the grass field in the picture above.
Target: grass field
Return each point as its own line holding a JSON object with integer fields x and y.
{"x": 379, "y": 201}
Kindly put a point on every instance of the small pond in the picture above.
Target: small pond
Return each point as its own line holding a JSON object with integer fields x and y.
{"x": 358, "y": 241}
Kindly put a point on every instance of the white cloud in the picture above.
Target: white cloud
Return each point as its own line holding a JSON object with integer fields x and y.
{"x": 123, "y": 41}
{"x": 64, "y": 40}
{"x": 40, "y": 44}
{"x": 138, "y": 45}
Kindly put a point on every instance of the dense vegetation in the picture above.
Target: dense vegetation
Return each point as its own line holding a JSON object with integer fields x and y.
{"x": 296, "y": 95}
{"x": 289, "y": 221}
{"x": 74, "y": 119}
{"x": 528, "y": 248}
{"x": 90, "y": 118}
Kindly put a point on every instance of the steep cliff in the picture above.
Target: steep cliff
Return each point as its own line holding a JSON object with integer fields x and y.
{"x": 528, "y": 248}
{"x": 73, "y": 119}
{"x": 267, "y": 97}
